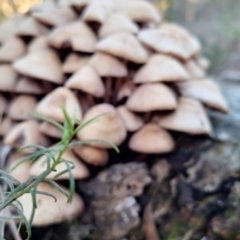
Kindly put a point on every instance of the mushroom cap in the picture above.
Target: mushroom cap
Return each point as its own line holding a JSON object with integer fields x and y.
{"x": 48, "y": 211}
{"x": 171, "y": 39}
{"x": 55, "y": 16}
{"x": 8, "y": 78}
{"x": 204, "y": 90}
{"x": 5, "y": 126}
{"x": 32, "y": 28}
{"x": 75, "y": 35}
{"x": 22, "y": 172}
{"x": 203, "y": 62}
{"x": 3, "y": 105}
{"x": 92, "y": 155}
{"x": 12, "y": 49}
{"x": 131, "y": 121}
{"x": 151, "y": 138}
{"x": 87, "y": 80}
{"x": 42, "y": 64}
{"x": 79, "y": 172}
{"x": 21, "y": 106}
{"x": 108, "y": 127}
{"x": 74, "y": 62}
{"x": 41, "y": 7}
{"x": 50, "y": 130}
{"x": 189, "y": 117}
{"x": 51, "y": 104}
{"x": 25, "y": 133}
{"x": 152, "y": 97}
{"x": 38, "y": 43}
{"x": 118, "y": 22}
{"x": 195, "y": 71}
{"x": 123, "y": 45}
{"x": 29, "y": 86}
{"x": 139, "y": 11}
{"x": 126, "y": 90}
{"x": 107, "y": 65}
{"x": 161, "y": 68}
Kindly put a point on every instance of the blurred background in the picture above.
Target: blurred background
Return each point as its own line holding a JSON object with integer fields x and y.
{"x": 215, "y": 22}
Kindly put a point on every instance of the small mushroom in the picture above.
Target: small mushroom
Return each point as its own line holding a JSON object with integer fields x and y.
{"x": 38, "y": 43}
{"x": 3, "y": 105}
{"x": 194, "y": 69}
{"x": 6, "y": 125}
{"x": 126, "y": 90}
{"x": 8, "y": 78}
{"x": 50, "y": 130}
{"x": 151, "y": 138}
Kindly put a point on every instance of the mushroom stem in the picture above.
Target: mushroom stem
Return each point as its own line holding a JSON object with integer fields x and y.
{"x": 147, "y": 116}
{"x": 108, "y": 89}
{"x": 47, "y": 86}
{"x": 90, "y": 100}
{"x": 142, "y": 157}
{"x": 117, "y": 87}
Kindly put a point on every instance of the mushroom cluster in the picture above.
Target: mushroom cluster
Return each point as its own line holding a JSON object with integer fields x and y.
{"x": 117, "y": 57}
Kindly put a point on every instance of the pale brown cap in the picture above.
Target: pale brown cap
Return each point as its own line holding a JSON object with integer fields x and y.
{"x": 126, "y": 90}
{"x": 50, "y": 130}
{"x": 29, "y": 86}
{"x": 22, "y": 172}
{"x": 76, "y": 35}
{"x": 123, "y": 45}
{"x": 194, "y": 70}
{"x": 108, "y": 127}
{"x": 5, "y": 126}
{"x": 171, "y": 39}
{"x": 38, "y": 43}
{"x": 21, "y": 106}
{"x": 87, "y": 80}
{"x": 43, "y": 64}
{"x": 117, "y": 22}
{"x": 152, "y": 97}
{"x": 55, "y": 17}
{"x": 79, "y": 172}
{"x": 8, "y": 78}
{"x": 189, "y": 117}
{"x": 3, "y": 105}
{"x": 161, "y": 68}
{"x": 139, "y": 11}
{"x": 203, "y": 62}
{"x": 74, "y": 62}
{"x": 48, "y": 211}
{"x": 31, "y": 28}
{"x": 204, "y": 90}
{"x": 151, "y": 139}
{"x": 131, "y": 121}
{"x": 41, "y": 7}
{"x": 12, "y": 50}
{"x": 26, "y": 133}
{"x": 107, "y": 65}
{"x": 92, "y": 155}
{"x": 51, "y": 104}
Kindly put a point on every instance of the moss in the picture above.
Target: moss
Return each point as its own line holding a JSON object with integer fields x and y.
{"x": 179, "y": 228}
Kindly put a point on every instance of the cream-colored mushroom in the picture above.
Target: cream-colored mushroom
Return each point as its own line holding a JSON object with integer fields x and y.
{"x": 38, "y": 43}
{"x": 194, "y": 69}
{"x": 50, "y": 130}
{"x": 8, "y": 78}
{"x": 6, "y": 125}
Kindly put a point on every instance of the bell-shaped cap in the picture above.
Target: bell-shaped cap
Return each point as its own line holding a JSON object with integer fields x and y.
{"x": 26, "y": 133}
{"x": 194, "y": 70}
{"x": 43, "y": 64}
{"x": 92, "y": 155}
{"x": 55, "y": 16}
{"x": 189, "y": 117}
{"x": 21, "y": 106}
{"x": 151, "y": 138}
{"x": 79, "y": 172}
{"x": 31, "y": 28}
{"x": 171, "y": 39}
{"x": 3, "y": 104}
{"x": 107, "y": 127}
{"x": 87, "y": 80}
{"x": 131, "y": 121}
{"x": 38, "y": 43}
{"x": 8, "y": 78}
{"x": 126, "y": 90}
{"x": 74, "y": 62}
{"x": 50, "y": 130}
{"x": 152, "y": 97}
{"x": 5, "y": 126}
{"x": 12, "y": 50}
{"x": 123, "y": 45}
{"x": 107, "y": 65}
{"x": 51, "y": 104}
{"x": 139, "y": 11}
{"x": 76, "y": 35}
{"x": 204, "y": 90}
{"x": 203, "y": 62}
{"x": 48, "y": 211}
{"x": 117, "y": 22}
{"x": 29, "y": 86}
{"x": 161, "y": 68}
